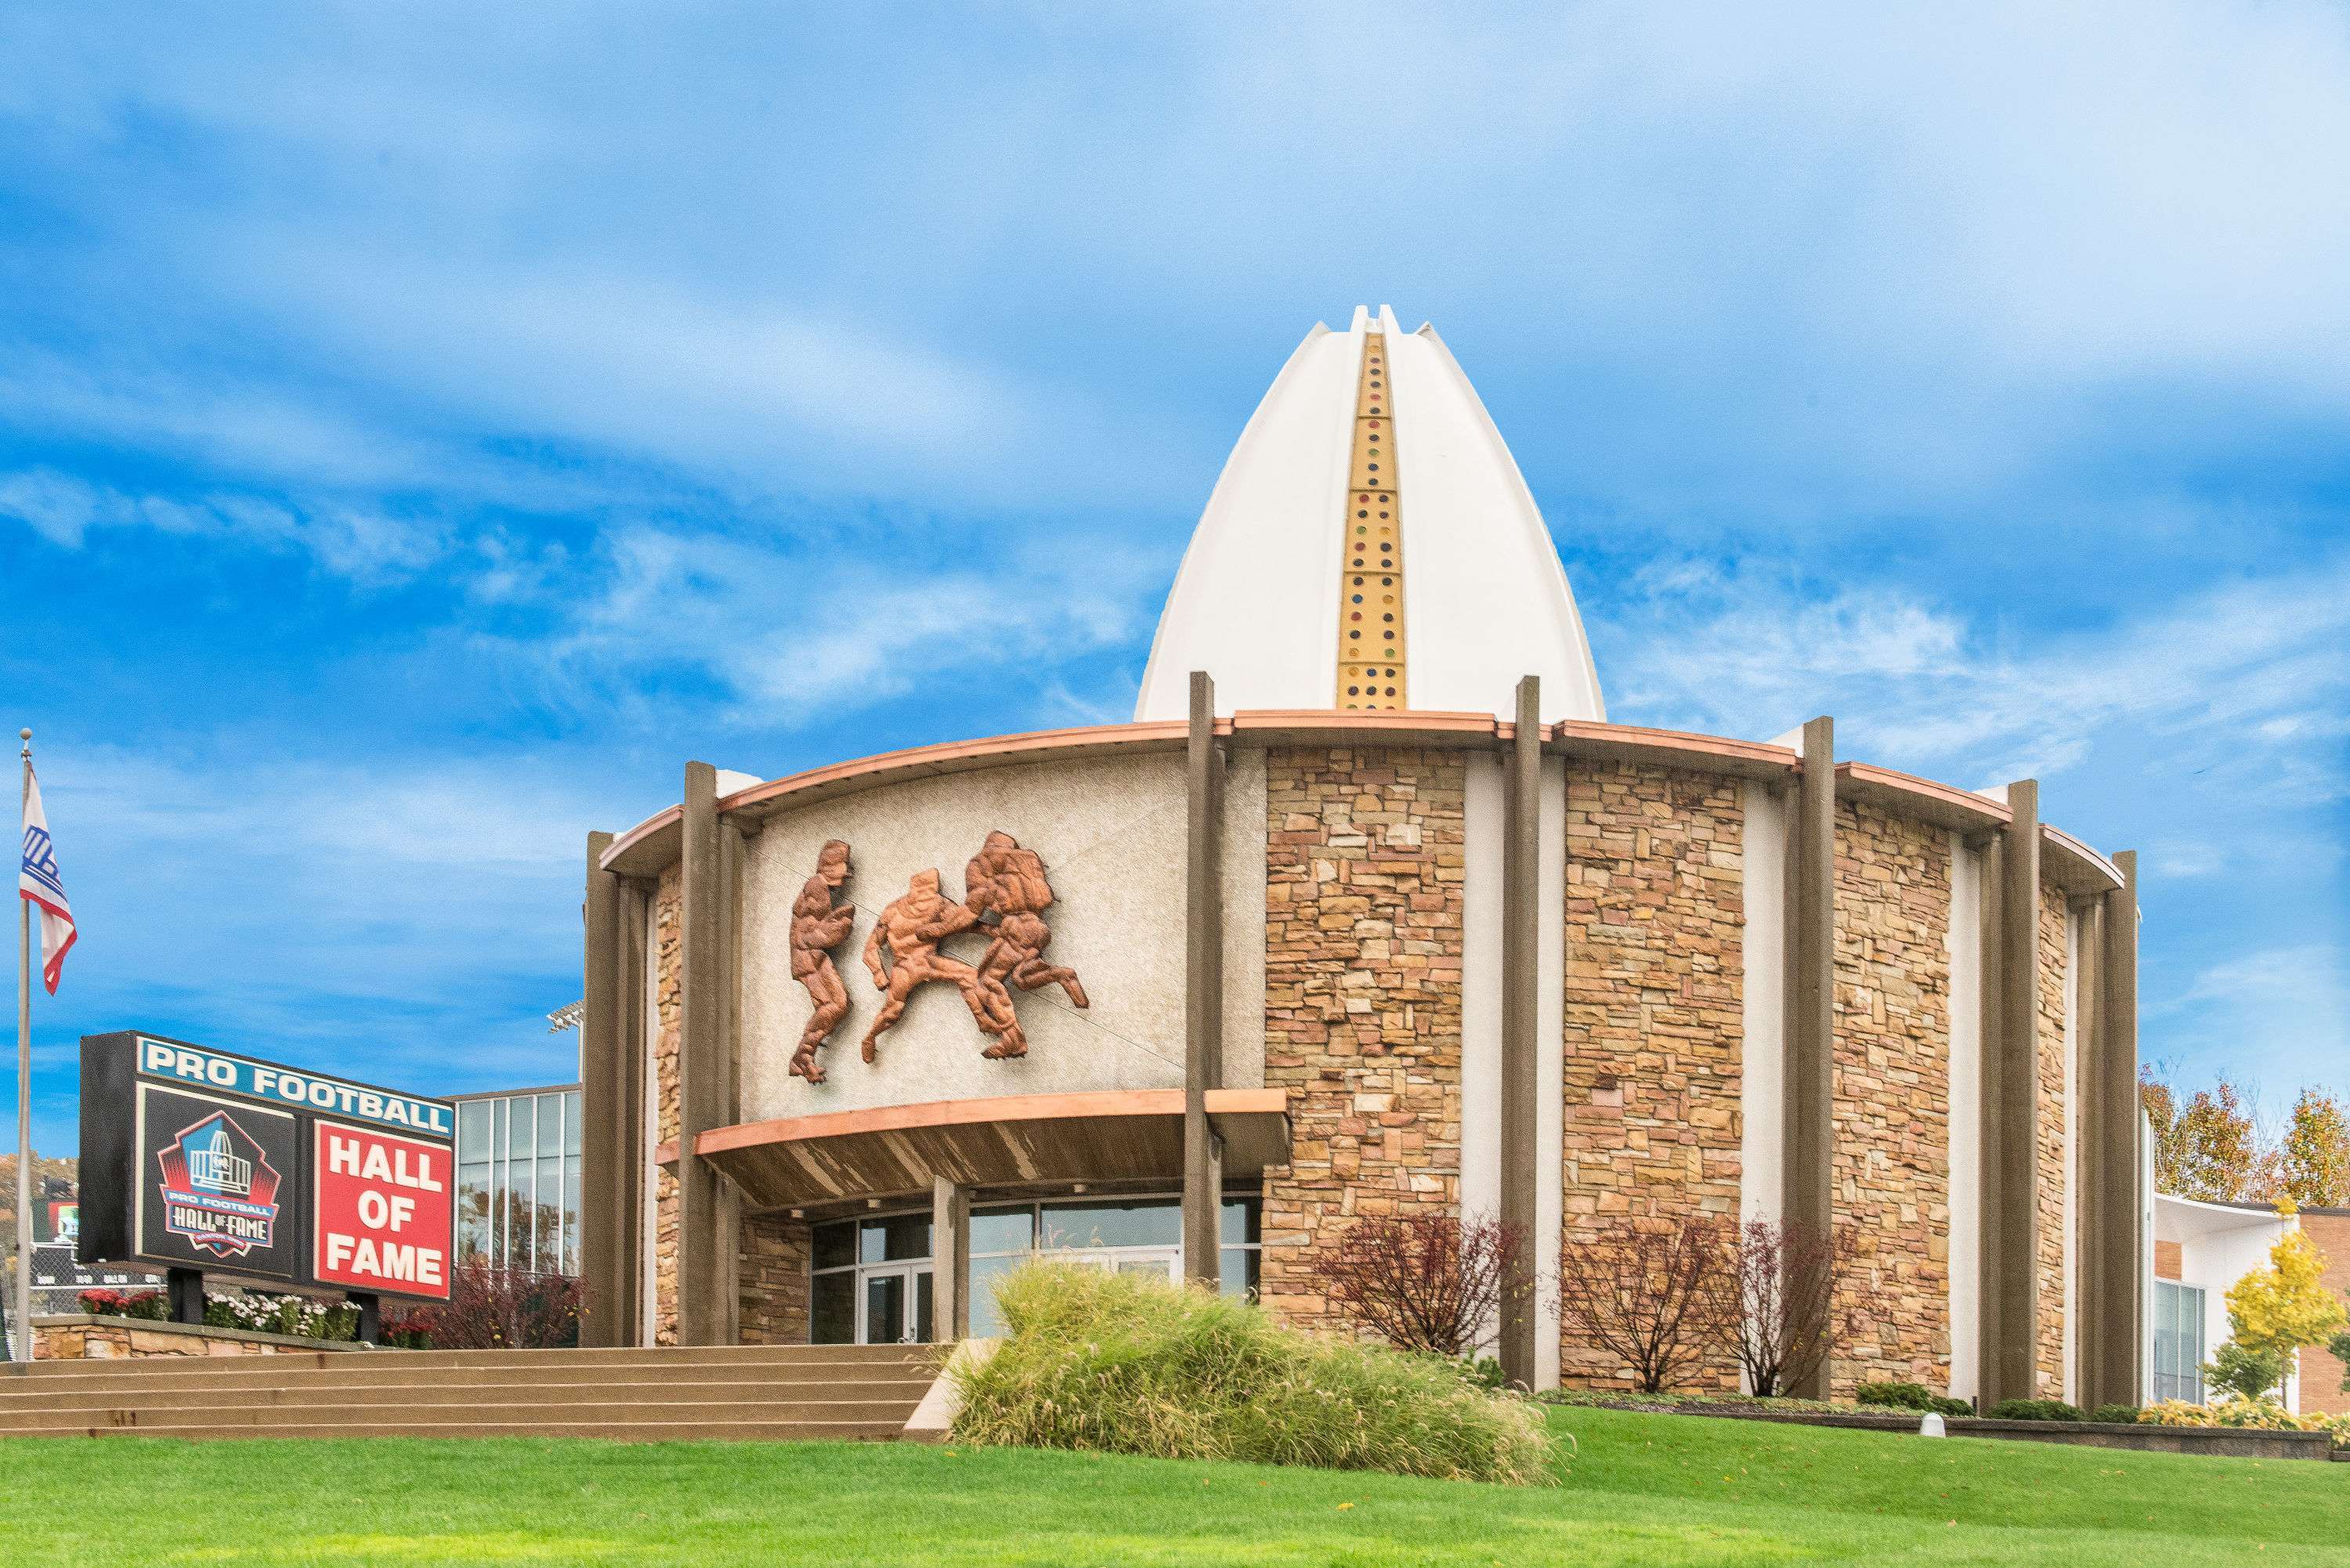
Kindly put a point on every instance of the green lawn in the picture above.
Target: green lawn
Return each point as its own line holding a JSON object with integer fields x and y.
{"x": 1643, "y": 1489}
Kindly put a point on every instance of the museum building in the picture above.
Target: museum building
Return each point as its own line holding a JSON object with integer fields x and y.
{"x": 1369, "y": 911}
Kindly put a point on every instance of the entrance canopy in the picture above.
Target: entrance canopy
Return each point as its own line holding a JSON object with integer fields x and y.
{"x": 1118, "y": 1136}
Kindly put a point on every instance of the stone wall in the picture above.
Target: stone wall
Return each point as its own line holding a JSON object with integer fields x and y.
{"x": 1891, "y": 1110}
{"x": 773, "y": 1275}
{"x": 669, "y": 904}
{"x": 1364, "y": 878}
{"x": 1654, "y": 978}
{"x": 2050, "y": 1361}
{"x": 74, "y": 1336}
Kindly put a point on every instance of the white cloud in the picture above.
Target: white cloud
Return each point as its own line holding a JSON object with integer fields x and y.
{"x": 363, "y": 542}
{"x": 1923, "y": 686}
{"x": 789, "y": 632}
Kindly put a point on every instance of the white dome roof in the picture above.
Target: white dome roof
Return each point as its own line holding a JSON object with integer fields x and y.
{"x": 1277, "y": 573}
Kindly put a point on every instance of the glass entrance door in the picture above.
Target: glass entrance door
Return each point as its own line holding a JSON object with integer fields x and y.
{"x": 894, "y": 1306}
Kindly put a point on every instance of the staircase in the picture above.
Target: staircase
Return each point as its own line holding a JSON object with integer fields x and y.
{"x": 845, "y": 1391}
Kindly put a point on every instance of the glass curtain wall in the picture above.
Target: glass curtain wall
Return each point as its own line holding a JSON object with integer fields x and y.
{"x": 872, "y": 1277}
{"x": 518, "y": 1180}
{"x": 2178, "y": 1340}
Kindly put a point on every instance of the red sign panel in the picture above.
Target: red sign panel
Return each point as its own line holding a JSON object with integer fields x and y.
{"x": 385, "y": 1213}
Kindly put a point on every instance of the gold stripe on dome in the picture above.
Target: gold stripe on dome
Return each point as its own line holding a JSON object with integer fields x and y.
{"x": 1372, "y": 669}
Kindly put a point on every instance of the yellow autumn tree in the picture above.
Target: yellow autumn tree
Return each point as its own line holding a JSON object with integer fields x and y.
{"x": 2285, "y": 1305}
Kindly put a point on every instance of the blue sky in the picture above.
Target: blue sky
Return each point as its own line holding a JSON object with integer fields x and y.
{"x": 423, "y": 427}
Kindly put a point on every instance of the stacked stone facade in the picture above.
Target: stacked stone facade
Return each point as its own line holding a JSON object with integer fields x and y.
{"x": 772, "y": 1269}
{"x": 2050, "y": 1361}
{"x": 1654, "y": 1026}
{"x": 668, "y": 1018}
{"x": 1890, "y": 1156}
{"x": 1364, "y": 871}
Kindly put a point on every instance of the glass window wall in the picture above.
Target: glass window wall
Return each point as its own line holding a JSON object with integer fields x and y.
{"x": 518, "y": 1180}
{"x": 2178, "y": 1351}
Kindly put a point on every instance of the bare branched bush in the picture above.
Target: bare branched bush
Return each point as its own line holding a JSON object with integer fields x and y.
{"x": 1428, "y": 1282}
{"x": 1774, "y": 1300}
{"x": 1644, "y": 1293}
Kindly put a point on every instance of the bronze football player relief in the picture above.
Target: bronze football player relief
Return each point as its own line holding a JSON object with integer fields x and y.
{"x": 818, "y": 926}
{"x": 1006, "y": 894}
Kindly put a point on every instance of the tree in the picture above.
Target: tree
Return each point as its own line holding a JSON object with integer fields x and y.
{"x": 2285, "y": 1305}
{"x": 2313, "y": 1159}
{"x": 1428, "y": 1282}
{"x": 1773, "y": 1298}
{"x": 2207, "y": 1146}
{"x": 2240, "y": 1370}
{"x": 1644, "y": 1293}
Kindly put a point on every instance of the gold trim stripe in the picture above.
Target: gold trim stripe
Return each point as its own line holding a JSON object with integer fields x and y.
{"x": 1373, "y": 670}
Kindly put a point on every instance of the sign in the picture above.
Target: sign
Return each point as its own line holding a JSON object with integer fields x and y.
{"x": 274, "y": 1085}
{"x": 65, "y": 1222}
{"x": 384, "y": 1210}
{"x": 217, "y": 1182}
{"x": 198, "y": 1159}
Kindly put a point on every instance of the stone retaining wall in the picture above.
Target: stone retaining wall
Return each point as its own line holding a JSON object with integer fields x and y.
{"x": 78, "y": 1336}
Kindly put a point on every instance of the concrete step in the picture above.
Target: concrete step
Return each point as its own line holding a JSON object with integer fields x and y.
{"x": 259, "y": 1372}
{"x": 761, "y": 1392}
{"x": 609, "y": 1414}
{"x": 684, "y": 1430}
{"x": 738, "y": 1354}
{"x": 468, "y": 1395}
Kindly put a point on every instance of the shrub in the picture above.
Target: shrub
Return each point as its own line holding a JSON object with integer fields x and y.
{"x": 500, "y": 1309}
{"x": 2234, "y": 1410}
{"x": 1901, "y": 1395}
{"x": 1774, "y": 1297}
{"x": 1125, "y": 1364}
{"x": 149, "y": 1306}
{"x": 2034, "y": 1410}
{"x": 1428, "y": 1282}
{"x": 1645, "y": 1293}
{"x": 2126, "y": 1415}
{"x": 1911, "y": 1396}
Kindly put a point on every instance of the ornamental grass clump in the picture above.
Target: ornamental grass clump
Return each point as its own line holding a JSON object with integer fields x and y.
{"x": 1132, "y": 1364}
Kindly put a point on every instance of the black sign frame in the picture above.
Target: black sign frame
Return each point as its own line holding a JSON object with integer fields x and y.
{"x": 117, "y": 1167}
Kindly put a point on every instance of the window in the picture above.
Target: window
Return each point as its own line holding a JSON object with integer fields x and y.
{"x": 2179, "y": 1350}
{"x": 518, "y": 1161}
{"x": 1131, "y": 1234}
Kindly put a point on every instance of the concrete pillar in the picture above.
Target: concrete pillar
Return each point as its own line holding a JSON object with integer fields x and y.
{"x": 2012, "y": 1164}
{"x": 2115, "y": 1315}
{"x": 1203, "y": 989}
{"x": 1521, "y": 1030}
{"x": 632, "y": 1174}
{"x": 1808, "y": 1043}
{"x": 605, "y": 1173}
{"x": 950, "y": 1259}
{"x": 726, "y": 1324}
{"x": 702, "y": 1066}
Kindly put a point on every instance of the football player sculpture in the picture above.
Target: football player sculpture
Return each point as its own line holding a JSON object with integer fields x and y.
{"x": 1006, "y": 895}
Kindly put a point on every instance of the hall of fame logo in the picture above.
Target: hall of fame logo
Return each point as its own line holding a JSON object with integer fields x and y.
{"x": 219, "y": 1189}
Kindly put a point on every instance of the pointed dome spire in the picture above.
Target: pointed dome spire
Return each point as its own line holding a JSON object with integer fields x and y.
{"x": 1371, "y": 544}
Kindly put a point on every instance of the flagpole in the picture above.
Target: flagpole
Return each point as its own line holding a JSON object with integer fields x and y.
{"x": 24, "y": 1302}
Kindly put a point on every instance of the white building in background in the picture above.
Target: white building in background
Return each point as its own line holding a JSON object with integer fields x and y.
{"x": 2201, "y": 1250}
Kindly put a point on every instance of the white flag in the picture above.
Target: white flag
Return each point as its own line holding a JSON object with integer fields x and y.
{"x": 38, "y": 881}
